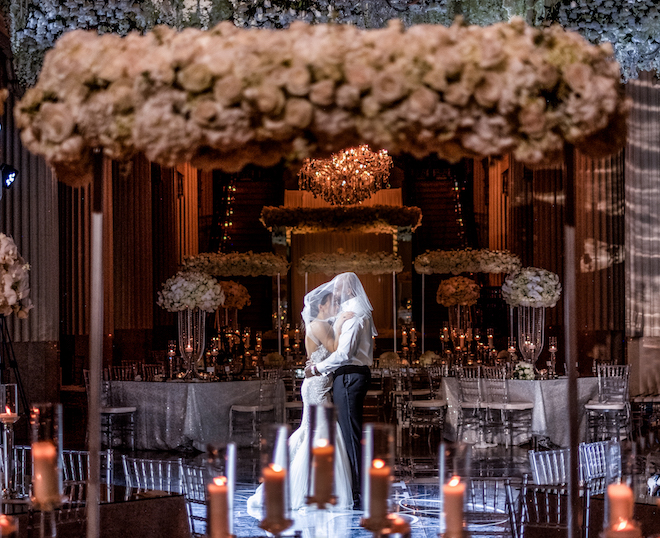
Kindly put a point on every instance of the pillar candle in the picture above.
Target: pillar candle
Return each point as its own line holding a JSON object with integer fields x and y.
{"x": 379, "y": 489}
{"x": 404, "y": 337}
{"x": 45, "y": 474}
{"x": 453, "y": 506}
{"x": 461, "y": 341}
{"x": 491, "y": 341}
{"x": 286, "y": 340}
{"x": 8, "y": 526}
{"x": 623, "y": 529}
{"x": 621, "y": 503}
{"x": 274, "y": 479}
{"x": 323, "y": 457}
{"x": 218, "y": 508}
{"x": 8, "y": 417}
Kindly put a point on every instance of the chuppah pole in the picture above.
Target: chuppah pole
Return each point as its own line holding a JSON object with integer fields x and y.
{"x": 423, "y": 305}
{"x": 394, "y": 307}
{"x": 95, "y": 351}
{"x": 570, "y": 337}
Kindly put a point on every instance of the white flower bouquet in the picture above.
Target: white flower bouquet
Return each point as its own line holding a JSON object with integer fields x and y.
{"x": 532, "y": 286}
{"x": 236, "y": 295}
{"x": 191, "y": 289}
{"x": 428, "y": 358}
{"x": 523, "y": 370}
{"x": 229, "y": 97}
{"x": 376, "y": 263}
{"x": 238, "y": 264}
{"x": 458, "y": 290}
{"x": 466, "y": 261}
{"x": 14, "y": 280}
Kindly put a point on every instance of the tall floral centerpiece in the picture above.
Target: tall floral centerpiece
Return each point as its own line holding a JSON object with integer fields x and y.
{"x": 191, "y": 294}
{"x": 459, "y": 294}
{"x": 14, "y": 280}
{"x": 531, "y": 290}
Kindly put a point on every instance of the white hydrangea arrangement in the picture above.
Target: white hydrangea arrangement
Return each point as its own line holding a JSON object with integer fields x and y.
{"x": 190, "y": 290}
{"x": 466, "y": 261}
{"x": 375, "y": 263}
{"x": 458, "y": 290}
{"x": 14, "y": 280}
{"x": 524, "y": 370}
{"x": 229, "y": 97}
{"x": 532, "y": 286}
{"x": 428, "y": 358}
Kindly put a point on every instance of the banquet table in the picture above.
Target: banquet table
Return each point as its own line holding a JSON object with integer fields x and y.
{"x": 173, "y": 415}
{"x": 550, "y": 398}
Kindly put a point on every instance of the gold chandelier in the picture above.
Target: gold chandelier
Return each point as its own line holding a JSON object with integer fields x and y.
{"x": 348, "y": 177}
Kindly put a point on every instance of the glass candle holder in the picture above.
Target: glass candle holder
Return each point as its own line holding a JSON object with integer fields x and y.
{"x": 275, "y": 478}
{"x": 8, "y": 526}
{"x": 46, "y": 424}
{"x": 220, "y": 489}
{"x": 8, "y": 416}
{"x": 454, "y": 462}
{"x": 377, "y": 465}
{"x": 322, "y": 443}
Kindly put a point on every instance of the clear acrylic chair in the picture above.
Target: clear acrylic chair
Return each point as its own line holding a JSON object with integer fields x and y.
{"x": 247, "y": 418}
{"x": 512, "y": 418}
{"x": 600, "y": 464}
{"x": 142, "y": 474}
{"x": 609, "y": 416}
{"x": 490, "y": 506}
{"x": 194, "y": 491}
{"x": 473, "y": 409}
{"x": 544, "y": 499}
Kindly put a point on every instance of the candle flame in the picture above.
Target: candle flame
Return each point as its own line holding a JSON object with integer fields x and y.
{"x": 220, "y": 480}
{"x": 455, "y": 480}
{"x": 277, "y": 468}
{"x": 622, "y": 525}
{"x": 378, "y": 464}
{"x": 7, "y": 409}
{"x": 322, "y": 443}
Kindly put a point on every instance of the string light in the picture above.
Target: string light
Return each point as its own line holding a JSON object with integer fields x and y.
{"x": 348, "y": 177}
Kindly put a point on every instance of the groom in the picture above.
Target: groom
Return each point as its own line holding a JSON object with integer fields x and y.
{"x": 350, "y": 365}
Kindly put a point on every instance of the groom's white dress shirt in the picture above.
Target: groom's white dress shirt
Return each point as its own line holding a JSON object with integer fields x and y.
{"x": 355, "y": 346}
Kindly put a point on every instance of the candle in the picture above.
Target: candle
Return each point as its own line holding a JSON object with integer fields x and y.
{"x": 8, "y": 417}
{"x": 189, "y": 348}
{"x": 453, "y": 507}
{"x": 379, "y": 489}
{"x": 621, "y": 503}
{"x": 286, "y": 340}
{"x": 404, "y": 337}
{"x": 461, "y": 341}
{"x": 218, "y": 508}
{"x": 623, "y": 529}
{"x": 274, "y": 479}
{"x": 45, "y": 473}
{"x": 491, "y": 341}
{"x": 296, "y": 335}
{"x": 323, "y": 455}
{"x": 445, "y": 333}
{"x": 8, "y": 526}
{"x": 413, "y": 335}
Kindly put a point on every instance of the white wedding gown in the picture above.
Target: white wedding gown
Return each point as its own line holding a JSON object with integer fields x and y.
{"x": 315, "y": 391}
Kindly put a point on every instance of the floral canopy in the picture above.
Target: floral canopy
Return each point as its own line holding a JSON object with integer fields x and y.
{"x": 228, "y": 97}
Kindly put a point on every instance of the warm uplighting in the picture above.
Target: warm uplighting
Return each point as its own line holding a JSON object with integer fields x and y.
{"x": 348, "y": 177}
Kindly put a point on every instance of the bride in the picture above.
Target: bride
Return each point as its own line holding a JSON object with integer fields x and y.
{"x": 321, "y": 336}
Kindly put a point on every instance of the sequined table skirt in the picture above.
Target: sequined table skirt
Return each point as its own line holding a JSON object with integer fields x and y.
{"x": 190, "y": 414}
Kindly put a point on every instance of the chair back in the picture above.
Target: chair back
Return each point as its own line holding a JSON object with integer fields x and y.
{"x": 194, "y": 491}
{"x": 549, "y": 467}
{"x": 435, "y": 380}
{"x": 469, "y": 383}
{"x": 150, "y": 371}
{"x": 600, "y": 464}
{"x": 490, "y": 506}
{"x": 106, "y": 398}
{"x": 613, "y": 383}
{"x": 123, "y": 373}
{"x": 271, "y": 373}
{"x": 496, "y": 384}
{"x": 146, "y": 474}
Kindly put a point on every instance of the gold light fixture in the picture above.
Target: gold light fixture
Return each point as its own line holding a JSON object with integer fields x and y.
{"x": 348, "y": 177}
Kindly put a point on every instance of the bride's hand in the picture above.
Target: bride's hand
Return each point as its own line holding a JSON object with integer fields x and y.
{"x": 341, "y": 318}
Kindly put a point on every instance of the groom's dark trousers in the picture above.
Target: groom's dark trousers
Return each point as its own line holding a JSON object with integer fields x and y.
{"x": 349, "y": 390}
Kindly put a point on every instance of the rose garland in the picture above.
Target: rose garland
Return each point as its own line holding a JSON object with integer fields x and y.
{"x": 458, "y": 290}
{"x": 466, "y": 261}
{"x": 376, "y": 263}
{"x": 229, "y": 97}
{"x": 238, "y": 264}
{"x": 189, "y": 290}
{"x": 365, "y": 219}
{"x": 14, "y": 280}
{"x": 532, "y": 286}
{"x": 236, "y": 295}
